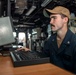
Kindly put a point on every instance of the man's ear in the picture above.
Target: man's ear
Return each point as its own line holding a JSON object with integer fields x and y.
{"x": 66, "y": 19}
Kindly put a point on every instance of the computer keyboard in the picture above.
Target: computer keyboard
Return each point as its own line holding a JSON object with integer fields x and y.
{"x": 22, "y": 58}
{"x": 28, "y": 55}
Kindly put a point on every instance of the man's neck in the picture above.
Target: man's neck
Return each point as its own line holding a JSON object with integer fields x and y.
{"x": 61, "y": 34}
{"x": 60, "y": 37}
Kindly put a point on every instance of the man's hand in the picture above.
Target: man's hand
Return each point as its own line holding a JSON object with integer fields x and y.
{"x": 24, "y": 48}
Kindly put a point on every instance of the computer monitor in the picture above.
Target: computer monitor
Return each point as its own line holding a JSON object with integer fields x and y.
{"x": 6, "y": 31}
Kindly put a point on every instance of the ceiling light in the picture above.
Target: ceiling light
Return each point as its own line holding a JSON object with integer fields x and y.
{"x": 46, "y": 2}
{"x": 30, "y": 10}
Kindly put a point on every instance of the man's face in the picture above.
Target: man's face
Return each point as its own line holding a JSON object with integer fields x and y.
{"x": 57, "y": 22}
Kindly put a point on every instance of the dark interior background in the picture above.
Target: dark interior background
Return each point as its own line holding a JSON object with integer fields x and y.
{"x": 23, "y": 22}
{"x": 17, "y": 9}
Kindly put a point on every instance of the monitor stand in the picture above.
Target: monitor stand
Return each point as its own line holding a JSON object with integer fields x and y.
{"x": 4, "y": 52}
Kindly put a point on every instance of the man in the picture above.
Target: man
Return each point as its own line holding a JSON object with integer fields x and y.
{"x": 61, "y": 46}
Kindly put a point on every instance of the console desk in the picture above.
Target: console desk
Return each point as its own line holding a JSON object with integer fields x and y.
{"x": 6, "y": 68}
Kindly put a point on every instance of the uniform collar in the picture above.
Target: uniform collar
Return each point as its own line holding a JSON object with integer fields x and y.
{"x": 66, "y": 42}
{"x": 67, "y": 39}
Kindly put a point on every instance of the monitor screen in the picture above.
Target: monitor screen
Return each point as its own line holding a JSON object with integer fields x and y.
{"x": 6, "y": 31}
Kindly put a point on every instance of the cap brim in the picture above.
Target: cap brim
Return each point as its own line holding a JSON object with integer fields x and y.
{"x": 45, "y": 13}
{"x": 52, "y": 11}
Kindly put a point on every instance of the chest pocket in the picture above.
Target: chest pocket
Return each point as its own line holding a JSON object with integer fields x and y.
{"x": 67, "y": 59}
{"x": 67, "y": 54}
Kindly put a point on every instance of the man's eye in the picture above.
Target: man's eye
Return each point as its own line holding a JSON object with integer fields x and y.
{"x": 53, "y": 17}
